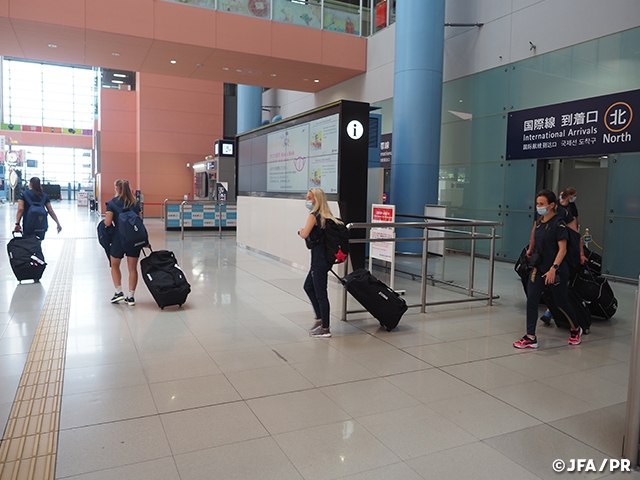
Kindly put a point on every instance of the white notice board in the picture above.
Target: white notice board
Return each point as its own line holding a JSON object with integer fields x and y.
{"x": 383, "y": 250}
{"x": 83, "y": 198}
{"x": 436, "y": 246}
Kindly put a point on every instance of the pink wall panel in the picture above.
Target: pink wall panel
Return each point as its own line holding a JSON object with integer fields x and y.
{"x": 121, "y": 16}
{"x": 118, "y": 121}
{"x": 174, "y": 142}
{"x": 345, "y": 51}
{"x": 181, "y": 100}
{"x": 118, "y": 163}
{"x": 177, "y": 83}
{"x": 180, "y": 122}
{"x": 123, "y": 142}
{"x": 193, "y": 26}
{"x": 117, "y": 100}
{"x": 69, "y": 13}
{"x": 238, "y": 33}
{"x": 295, "y": 43}
{"x": 4, "y": 8}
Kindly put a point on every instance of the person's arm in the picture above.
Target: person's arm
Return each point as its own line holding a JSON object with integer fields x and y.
{"x": 532, "y": 241}
{"x": 306, "y": 230}
{"x": 19, "y": 214}
{"x": 108, "y": 219}
{"x": 53, "y": 215}
{"x": 550, "y": 276}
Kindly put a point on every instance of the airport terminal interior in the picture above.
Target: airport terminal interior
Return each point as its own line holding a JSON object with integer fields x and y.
{"x": 230, "y": 385}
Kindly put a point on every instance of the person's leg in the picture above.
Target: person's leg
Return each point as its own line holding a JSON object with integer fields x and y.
{"x": 560, "y": 292}
{"x": 116, "y": 276}
{"x": 320, "y": 280}
{"x": 132, "y": 264}
{"x": 534, "y": 291}
{"x": 310, "y": 291}
{"x": 535, "y": 287}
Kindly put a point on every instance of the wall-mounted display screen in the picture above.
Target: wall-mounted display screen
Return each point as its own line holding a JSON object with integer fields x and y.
{"x": 292, "y": 157}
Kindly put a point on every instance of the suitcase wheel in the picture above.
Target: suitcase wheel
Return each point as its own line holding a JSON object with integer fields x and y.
{"x": 586, "y": 331}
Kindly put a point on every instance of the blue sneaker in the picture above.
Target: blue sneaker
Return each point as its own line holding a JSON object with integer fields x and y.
{"x": 546, "y": 318}
{"x": 117, "y": 297}
{"x": 130, "y": 301}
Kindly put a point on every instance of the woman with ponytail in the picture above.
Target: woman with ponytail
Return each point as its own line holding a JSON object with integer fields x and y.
{"x": 124, "y": 199}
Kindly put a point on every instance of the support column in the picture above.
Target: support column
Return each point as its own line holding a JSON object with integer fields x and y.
{"x": 249, "y": 107}
{"x": 417, "y": 104}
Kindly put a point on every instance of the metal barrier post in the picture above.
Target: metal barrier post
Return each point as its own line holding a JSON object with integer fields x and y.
{"x": 472, "y": 263}
{"x": 423, "y": 280}
{"x": 492, "y": 259}
{"x": 182, "y": 220}
{"x": 631, "y": 439}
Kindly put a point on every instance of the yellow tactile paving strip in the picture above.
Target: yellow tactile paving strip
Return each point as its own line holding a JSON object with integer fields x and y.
{"x": 29, "y": 445}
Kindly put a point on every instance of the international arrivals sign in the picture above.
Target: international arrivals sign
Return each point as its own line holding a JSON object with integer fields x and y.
{"x": 593, "y": 126}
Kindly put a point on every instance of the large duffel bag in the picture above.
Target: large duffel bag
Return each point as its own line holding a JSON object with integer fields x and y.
{"x": 583, "y": 315}
{"x": 594, "y": 261}
{"x": 597, "y": 292}
{"x": 164, "y": 278}
{"x": 26, "y": 258}
{"x": 379, "y": 300}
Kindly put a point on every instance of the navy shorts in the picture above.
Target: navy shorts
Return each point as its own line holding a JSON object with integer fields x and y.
{"x": 118, "y": 251}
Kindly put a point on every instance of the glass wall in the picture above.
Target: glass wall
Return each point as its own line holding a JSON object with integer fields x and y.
{"x": 477, "y": 182}
{"x": 46, "y": 97}
{"x": 41, "y": 97}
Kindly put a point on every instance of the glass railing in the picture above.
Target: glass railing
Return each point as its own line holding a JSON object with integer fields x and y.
{"x": 353, "y": 17}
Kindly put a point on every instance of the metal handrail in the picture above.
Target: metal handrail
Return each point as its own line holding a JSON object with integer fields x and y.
{"x": 441, "y": 222}
{"x": 631, "y": 439}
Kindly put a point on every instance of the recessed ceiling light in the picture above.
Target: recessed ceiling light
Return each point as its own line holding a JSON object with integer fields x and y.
{"x": 115, "y": 54}
{"x": 121, "y": 75}
{"x": 274, "y": 75}
{"x": 239, "y": 71}
{"x": 117, "y": 81}
{"x": 52, "y": 45}
{"x": 317, "y": 81}
{"x": 225, "y": 68}
{"x": 306, "y": 79}
{"x": 199, "y": 65}
{"x": 173, "y": 62}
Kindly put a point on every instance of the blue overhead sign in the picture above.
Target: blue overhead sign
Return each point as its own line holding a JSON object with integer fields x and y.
{"x": 593, "y": 126}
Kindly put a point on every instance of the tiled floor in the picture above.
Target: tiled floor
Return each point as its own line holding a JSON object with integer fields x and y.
{"x": 230, "y": 386}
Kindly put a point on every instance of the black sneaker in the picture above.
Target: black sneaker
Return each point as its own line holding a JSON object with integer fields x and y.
{"x": 130, "y": 301}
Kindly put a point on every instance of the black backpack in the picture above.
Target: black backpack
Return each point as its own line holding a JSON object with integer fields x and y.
{"x": 336, "y": 242}
{"x": 36, "y": 219}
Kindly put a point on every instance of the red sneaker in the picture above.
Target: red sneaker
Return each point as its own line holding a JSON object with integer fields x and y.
{"x": 526, "y": 342}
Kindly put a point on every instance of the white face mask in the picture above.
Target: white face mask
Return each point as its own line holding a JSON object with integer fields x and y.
{"x": 542, "y": 211}
{"x": 309, "y": 204}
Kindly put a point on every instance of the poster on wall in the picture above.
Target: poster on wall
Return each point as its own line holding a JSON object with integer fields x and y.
{"x": 287, "y": 159}
{"x": 197, "y": 3}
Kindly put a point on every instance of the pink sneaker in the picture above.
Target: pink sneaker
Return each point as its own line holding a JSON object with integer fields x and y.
{"x": 526, "y": 342}
{"x": 576, "y": 337}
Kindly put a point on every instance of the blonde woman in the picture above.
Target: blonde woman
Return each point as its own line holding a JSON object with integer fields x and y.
{"x": 315, "y": 285}
{"x": 124, "y": 199}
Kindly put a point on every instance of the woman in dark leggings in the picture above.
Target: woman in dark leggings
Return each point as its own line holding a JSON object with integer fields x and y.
{"x": 549, "y": 271}
{"x": 315, "y": 285}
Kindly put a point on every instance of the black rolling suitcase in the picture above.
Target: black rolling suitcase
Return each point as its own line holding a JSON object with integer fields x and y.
{"x": 583, "y": 315}
{"x": 26, "y": 258}
{"x": 164, "y": 278}
{"x": 379, "y": 300}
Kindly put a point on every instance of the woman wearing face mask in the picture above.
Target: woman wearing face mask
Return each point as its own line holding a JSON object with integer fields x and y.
{"x": 315, "y": 285}
{"x": 550, "y": 270}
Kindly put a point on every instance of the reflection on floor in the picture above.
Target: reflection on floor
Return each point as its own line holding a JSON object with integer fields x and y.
{"x": 231, "y": 385}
